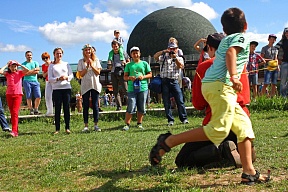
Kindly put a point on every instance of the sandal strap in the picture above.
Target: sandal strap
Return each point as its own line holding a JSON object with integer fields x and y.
{"x": 251, "y": 178}
{"x": 161, "y": 142}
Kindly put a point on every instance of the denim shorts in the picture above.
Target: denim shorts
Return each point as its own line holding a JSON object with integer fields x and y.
{"x": 270, "y": 77}
{"x": 253, "y": 79}
{"x": 137, "y": 100}
{"x": 32, "y": 87}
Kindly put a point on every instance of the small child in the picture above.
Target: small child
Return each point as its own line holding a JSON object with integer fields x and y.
{"x": 252, "y": 67}
{"x": 14, "y": 91}
{"x": 121, "y": 49}
{"x": 78, "y": 102}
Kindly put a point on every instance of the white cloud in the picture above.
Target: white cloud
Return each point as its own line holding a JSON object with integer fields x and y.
{"x": 85, "y": 30}
{"x": 19, "y": 26}
{"x": 152, "y": 5}
{"x": 261, "y": 38}
{"x": 13, "y": 48}
{"x": 101, "y": 25}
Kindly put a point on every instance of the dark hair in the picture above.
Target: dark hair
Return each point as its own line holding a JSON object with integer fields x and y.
{"x": 213, "y": 40}
{"x": 233, "y": 21}
{"x": 28, "y": 52}
{"x": 8, "y": 70}
{"x": 283, "y": 34}
{"x": 114, "y": 42}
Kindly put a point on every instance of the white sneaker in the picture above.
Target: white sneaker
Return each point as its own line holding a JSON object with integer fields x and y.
{"x": 125, "y": 128}
{"x": 96, "y": 128}
{"x": 85, "y": 129}
{"x": 170, "y": 123}
{"x": 49, "y": 114}
{"x": 185, "y": 121}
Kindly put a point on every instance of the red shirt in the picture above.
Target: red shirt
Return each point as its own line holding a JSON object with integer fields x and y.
{"x": 45, "y": 69}
{"x": 200, "y": 103}
{"x": 14, "y": 82}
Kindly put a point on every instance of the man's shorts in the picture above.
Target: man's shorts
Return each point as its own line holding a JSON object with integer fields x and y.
{"x": 32, "y": 87}
{"x": 253, "y": 79}
{"x": 227, "y": 114}
{"x": 270, "y": 77}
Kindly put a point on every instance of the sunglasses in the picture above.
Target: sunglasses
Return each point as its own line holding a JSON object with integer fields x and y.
{"x": 44, "y": 58}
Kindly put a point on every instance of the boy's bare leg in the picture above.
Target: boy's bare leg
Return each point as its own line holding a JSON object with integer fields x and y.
{"x": 128, "y": 118}
{"x": 139, "y": 117}
{"x": 246, "y": 158}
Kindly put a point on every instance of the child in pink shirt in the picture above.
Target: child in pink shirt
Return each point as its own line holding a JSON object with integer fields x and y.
{"x": 14, "y": 91}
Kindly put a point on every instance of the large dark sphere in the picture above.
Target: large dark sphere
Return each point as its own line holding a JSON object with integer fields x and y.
{"x": 152, "y": 33}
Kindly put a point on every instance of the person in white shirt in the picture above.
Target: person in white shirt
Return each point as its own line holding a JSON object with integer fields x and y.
{"x": 60, "y": 75}
{"x": 89, "y": 68}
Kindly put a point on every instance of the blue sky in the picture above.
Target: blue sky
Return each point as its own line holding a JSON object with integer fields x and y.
{"x": 41, "y": 26}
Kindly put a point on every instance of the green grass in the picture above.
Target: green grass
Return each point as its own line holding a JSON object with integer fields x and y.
{"x": 113, "y": 160}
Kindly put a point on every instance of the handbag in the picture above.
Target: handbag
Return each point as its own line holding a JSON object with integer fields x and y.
{"x": 156, "y": 84}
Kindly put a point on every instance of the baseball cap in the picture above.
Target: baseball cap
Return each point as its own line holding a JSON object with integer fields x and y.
{"x": 286, "y": 29}
{"x": 272, "y": 35}
{"x": 12, "y": 62}
{"x": 254, "y": 43}
{"x": 214, "y": 39}
{"x": 134, "y": 49}
{"x": 172, "y": 45}
{"x": 86, "y": 46}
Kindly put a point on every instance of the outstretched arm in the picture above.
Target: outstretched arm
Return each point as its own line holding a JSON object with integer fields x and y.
{"x": 3, "y": 68}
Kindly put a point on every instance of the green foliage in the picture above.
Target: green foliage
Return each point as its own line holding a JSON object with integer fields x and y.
{"x": 266, "y": 104}
{"x": 3, "y": 95}
{"x": 75, "y": 87}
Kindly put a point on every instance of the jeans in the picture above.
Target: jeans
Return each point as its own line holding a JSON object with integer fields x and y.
{"x": 14, "y": 103}
{"x": 270, "y": 77}
{"x": 95, "y": 97}
{"x": 284, "y": 75}
{"x": 3, "y": 120}
{"x": 171, "y": 87}
{"x": 62, "y": 96}
{"x": 137, "y": 99}
{"x": 32, "y": 87}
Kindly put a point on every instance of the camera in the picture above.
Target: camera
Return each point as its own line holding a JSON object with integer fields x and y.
{"x": 171, "y": 52}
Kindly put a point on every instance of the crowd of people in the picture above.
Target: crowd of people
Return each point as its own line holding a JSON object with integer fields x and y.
{"x": 228, "y": 65}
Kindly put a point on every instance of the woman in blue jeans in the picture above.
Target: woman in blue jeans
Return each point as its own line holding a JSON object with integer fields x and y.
{"x": 89, "y": 68}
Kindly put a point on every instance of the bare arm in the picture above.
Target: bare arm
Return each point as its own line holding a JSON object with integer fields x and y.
{"x": 147, "y": 76}
{"x": 3, "y": 68}
{"x": 157, "y": 55}
{"x": 231, "y": 57}
{"x": 196, "y": 45}
{"x": 33, "y": 71}
{"x": 24, "y": 69}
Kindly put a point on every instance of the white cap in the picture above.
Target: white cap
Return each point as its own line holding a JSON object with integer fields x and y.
{"x": 134, "y": 49}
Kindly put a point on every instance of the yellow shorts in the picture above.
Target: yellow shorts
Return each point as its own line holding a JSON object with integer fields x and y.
{"x": 226, "y": 114}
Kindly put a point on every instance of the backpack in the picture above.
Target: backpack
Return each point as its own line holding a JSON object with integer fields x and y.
{"x": 156, "y": 84}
